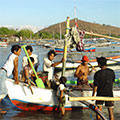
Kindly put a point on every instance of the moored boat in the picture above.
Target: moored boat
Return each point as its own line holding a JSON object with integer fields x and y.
{"x": 61, "y": 50}
{"x": 43, "y": 99}
{"x": 3, "y": 42}
{"x": 74, "y": 64}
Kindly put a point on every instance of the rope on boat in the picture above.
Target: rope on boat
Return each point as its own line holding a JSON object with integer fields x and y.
{"x": 94, "y": 98}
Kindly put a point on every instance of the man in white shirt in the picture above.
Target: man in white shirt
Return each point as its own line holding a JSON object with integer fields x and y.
{"x": 10, "y": 66}
{"x": 48, "y": 64}
{"x": 25, "y": 60}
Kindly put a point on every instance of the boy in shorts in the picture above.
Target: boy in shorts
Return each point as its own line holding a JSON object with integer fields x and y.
{"x": 103, "y": 85}
{"x": 61, "y": 93}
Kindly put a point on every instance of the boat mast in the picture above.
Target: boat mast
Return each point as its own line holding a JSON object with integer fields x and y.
{"x": 65, "y": 47}
{"x": 75, "y": 15}
{"x": 60, "y": 31}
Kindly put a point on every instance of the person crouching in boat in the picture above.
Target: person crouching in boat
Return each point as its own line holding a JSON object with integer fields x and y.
{"x": 103, "y": 85}
{"x": 9, "y": 67}
{"x": 61, "y": 95}
{"x": 27, "y": 73}
{"x": 82, "y": 72}
{"x": 48, "y": 66}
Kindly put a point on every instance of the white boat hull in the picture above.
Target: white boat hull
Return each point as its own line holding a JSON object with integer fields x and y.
{"x": 44, "y": 99}
{"x": 75, "y": 64}
{"x": 41, "y": 99}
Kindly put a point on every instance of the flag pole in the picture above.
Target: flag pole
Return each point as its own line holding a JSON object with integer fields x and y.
{"x": 65, "y": 47}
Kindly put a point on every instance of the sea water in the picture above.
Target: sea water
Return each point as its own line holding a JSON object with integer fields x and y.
{"x": 14, "y": 113}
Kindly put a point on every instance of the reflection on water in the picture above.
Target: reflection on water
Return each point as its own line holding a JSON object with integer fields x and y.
{"x": 16, "y": 114}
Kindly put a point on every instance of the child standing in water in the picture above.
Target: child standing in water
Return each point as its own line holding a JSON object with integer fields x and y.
{"x": 61, "y": 94}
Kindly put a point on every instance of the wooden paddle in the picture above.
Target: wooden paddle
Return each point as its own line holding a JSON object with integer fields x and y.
{"x": 38, "y": 81}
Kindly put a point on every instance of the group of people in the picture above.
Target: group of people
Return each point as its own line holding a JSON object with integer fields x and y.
{"x": 103, "y": 79}
{"x": 103, "y": 82}
{"x": 11, "y": 67}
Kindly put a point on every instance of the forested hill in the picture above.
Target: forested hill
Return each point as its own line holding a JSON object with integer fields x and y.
{"x": 87, "y": 26}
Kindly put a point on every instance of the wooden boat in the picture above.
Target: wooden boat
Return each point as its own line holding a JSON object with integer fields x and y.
{"x": 3, "y": 42}
{"x": 61, "y": 50}
{"x": 42, "y": 99}
{"x": 74, "y": 64}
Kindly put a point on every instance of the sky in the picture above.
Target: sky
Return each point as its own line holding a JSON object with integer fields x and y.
{"x": 43, "y": 13}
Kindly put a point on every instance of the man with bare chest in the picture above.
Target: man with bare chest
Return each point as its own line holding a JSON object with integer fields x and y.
{"x": 82, "y": 72}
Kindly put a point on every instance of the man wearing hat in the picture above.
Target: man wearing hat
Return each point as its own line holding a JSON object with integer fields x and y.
{"x": 82, "y": 72}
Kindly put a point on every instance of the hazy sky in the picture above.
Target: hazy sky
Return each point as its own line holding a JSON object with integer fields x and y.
{"x": 42, "y": 13}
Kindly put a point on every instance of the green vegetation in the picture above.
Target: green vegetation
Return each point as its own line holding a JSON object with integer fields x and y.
{"x": 44, "y": 35}
{"x": 28, "y": 34}
{"x": 7, "y": 32}
{"x": 25, "y": 34}
{"x": 118, "y": 36}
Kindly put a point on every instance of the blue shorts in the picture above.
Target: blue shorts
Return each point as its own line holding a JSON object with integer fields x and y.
{"x": 3, "y": 88}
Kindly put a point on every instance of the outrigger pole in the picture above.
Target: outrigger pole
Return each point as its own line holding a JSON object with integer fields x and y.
{"x": 91, "y": 106}
{"x": 104, "y": 36}
{"x": 94, "y": 98}
{"x": 65, "y": 47}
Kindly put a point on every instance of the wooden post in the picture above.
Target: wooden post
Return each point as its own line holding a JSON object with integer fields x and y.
{"x": 65, "y": 47}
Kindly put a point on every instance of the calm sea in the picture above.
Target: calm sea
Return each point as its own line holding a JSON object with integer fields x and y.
{"x": 15, "y": 114}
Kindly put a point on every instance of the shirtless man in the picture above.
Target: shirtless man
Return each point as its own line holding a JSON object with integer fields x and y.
{"x": 82, "y": 72}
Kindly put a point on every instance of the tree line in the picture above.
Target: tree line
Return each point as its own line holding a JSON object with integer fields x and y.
{"x": 28, "y": 34}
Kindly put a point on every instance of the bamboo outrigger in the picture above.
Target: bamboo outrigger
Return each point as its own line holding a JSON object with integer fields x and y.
{"x": 104, "y": 36}
{"x": 94, "y": 98}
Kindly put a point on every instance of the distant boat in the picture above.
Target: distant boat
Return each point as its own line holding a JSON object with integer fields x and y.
{"x": 75, "y": 64}
{"x": 47, "y": 45}
{"x": 60, "y": 50}
{"x": 3, "y": 42}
